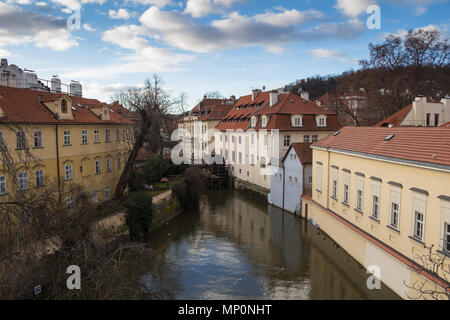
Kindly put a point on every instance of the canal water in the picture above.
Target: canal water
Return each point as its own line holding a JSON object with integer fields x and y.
{"x": 236, "y": 247}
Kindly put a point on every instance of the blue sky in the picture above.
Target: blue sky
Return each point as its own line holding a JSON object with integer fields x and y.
{"x": 198, "y": 46}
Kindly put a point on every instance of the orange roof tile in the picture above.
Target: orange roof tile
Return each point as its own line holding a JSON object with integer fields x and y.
{"x": 25, "y": 106}
{"x": 411, "y": 144}
{"x": 395, "y": 119}
{"x": 303, "y": 151}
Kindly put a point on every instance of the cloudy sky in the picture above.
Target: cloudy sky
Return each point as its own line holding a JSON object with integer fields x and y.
{"x": 198, "y": 46}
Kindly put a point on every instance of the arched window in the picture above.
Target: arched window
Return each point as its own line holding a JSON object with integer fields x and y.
{"x": 264, "y": 121}
{"x": 253, "y": 121}
{"x": 63, "y": 106}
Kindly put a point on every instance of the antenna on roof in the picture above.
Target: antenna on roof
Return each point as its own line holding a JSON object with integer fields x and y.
{"x": 389, "y": 137}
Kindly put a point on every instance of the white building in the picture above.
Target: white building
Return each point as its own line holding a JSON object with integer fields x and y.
{"x": 421, "y": 113}
{"x": 292, "y": 179}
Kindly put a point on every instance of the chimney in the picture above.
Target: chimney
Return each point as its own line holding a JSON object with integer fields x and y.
{"x": 419, "y": 107}
{"x": 305, "y": 95}
{"x": 255, "y": 93}
{"x": 273, "y": 96}
{"x": 4, "y": 63}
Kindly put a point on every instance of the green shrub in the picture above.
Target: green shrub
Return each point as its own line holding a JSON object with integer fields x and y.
{"x": 139, "y": 214}
{"x": 155, "y": 169}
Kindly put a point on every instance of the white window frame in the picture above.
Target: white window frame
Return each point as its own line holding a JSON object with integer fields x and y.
{"x": 84, "y": 136}
{"x": 3, "y": 187}
{"x": 21, "y": 140}
{"x": 39, "y": 177}
{"x": 264, "y": 121}
{"x": 23, "y": 180}
{"x": 346, "y": 188}
{"x": 359, "y": 193}
{"x": 108, "y": 165}
{"x": 37, "y": 139}
{"x": 376, "y": 190}
{"x": 306, "y": 138}
{"x": 319, "y": 177}
{"x": 107, "y": 192}
{"x": 66, "y": 137}
{"x": 395, "y": 198}
{"x": 419, "y": 208}
{"x": 334, "y": 183}
{"x": 445, "y": 223}
{"x": 96, "y": 135}
{"x": 68, "y": 171}
{"x": 107, "y": 135}
{"x": 287, "y": 140}
{"x": 98, "y": 167}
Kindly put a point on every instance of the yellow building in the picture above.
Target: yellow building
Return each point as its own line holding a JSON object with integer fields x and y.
{"x": 57, "y": 138}
{"x": 383, "y": 194}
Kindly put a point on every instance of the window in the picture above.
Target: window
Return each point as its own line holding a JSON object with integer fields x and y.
{"x": 263, "y": 162}
{"x": 233, "y": 156}
{"x": 240, "y": 157}
{"x": 68, "y": 171}
{"x": 98, "y": 167}
{"x": 266, "y": 141}
{"x": 264, "y": 121}
{"x": 252, "y": 157}
{"x": 428, "y": 119}
{"x": 94, "y": 196}
{"x": 108, "y": 165}
{"x": 306, "y": 138}
{"x": 375, "y": 207}
{"x": 447, "y": 237}
{"x": 2, "y": 185}
{"x": 253, "y": 122}
{"x": 69, "y": 203}
{"x": 108, "y": 135}
{"x": 84, "y": 137}
{"x": 39, "y": 174}
{"x": 2, "y": 142}
{"x": 23, "y": 181}
{"x": 295, "y": 180}
{"x": 290, "y": 180}
{"x": 96, "y": 136}
{"x": 321, "y": 122}
{"x": 436, "y": 119}
{"x": 107, "y": 192}
{"x": 297, "y": 121}
{"x": 334, "y": 183}
{"x": 119, "y": 163}
{"x": 253, "y": 138}
{"x": 418, "y": 225}
{"x": 315, "y": 137}
{"x": 376, "y": 200}
{"x": 38, "y": 139}
{"x": 117, "y": 135}
{"x": 20, "y": 140}
{"x": 359, "y": 193}
{"x": 66, "y": 138}
{"x": 287, "y": 141}
{"x": 319, "y": 178}
{"x": 240, "y": 139}
{"x": 63, "y": 106}
{"x": 346, "y": 187}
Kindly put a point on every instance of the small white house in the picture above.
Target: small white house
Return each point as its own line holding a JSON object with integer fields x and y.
{"x": 292, "y": 179}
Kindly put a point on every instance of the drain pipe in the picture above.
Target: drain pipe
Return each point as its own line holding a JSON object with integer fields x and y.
{"x": 284, "y": 178}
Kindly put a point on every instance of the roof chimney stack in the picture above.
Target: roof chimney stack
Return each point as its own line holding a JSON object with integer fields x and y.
{"x": 273, "y": 97}
{"x": 4, "y": 63}
{"x": 255, "y": 93}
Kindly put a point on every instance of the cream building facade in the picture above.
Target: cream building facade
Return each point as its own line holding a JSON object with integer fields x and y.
{"x": 383, "y": 194}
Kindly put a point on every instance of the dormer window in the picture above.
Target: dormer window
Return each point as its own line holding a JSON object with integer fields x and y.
{"x": 297, "y": 121}
{"x": 253, "y": 121}
{"x": 322, "y": 121}
{"x": 264, "y": 121}
{"x": 63, "y": 106}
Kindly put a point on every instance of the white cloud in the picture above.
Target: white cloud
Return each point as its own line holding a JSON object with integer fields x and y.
{"x": 329, "y": 54}
{"x": 41, "y": 4}
{"x": 87, "y": 27}
{"x": 353, "y": 8}
{"x": 271, "y": 30}
{"x": 4, "y": 53}
{"x": 201, "y": 8}
{"x": 76, "y": 4}
{"x": 158, "y": 3}
{"x": 119, "y": 14}
{"x": 20, "y": 27}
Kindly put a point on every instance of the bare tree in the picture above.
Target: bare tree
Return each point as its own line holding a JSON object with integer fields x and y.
{"x": 435, "y": 264}
{"x": 153, "y": 105}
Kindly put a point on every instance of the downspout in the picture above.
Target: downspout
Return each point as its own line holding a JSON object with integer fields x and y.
{"x": 57, "y": 162}
{"x": 328, "y": 179}
{"x": 284, "y": 177}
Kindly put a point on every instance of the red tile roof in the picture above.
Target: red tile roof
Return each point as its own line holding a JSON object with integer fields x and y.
{"x": 26, "y": 106}
{"x": 446, "y": 125}
{"x": 303, "y": 151}
{"x": 279, "y": 114}
{"x": 419, "y": 144}
{"x": 395, "y": 119}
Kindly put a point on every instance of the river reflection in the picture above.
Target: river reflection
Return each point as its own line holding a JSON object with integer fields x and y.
{"x": 238, "y": 248}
